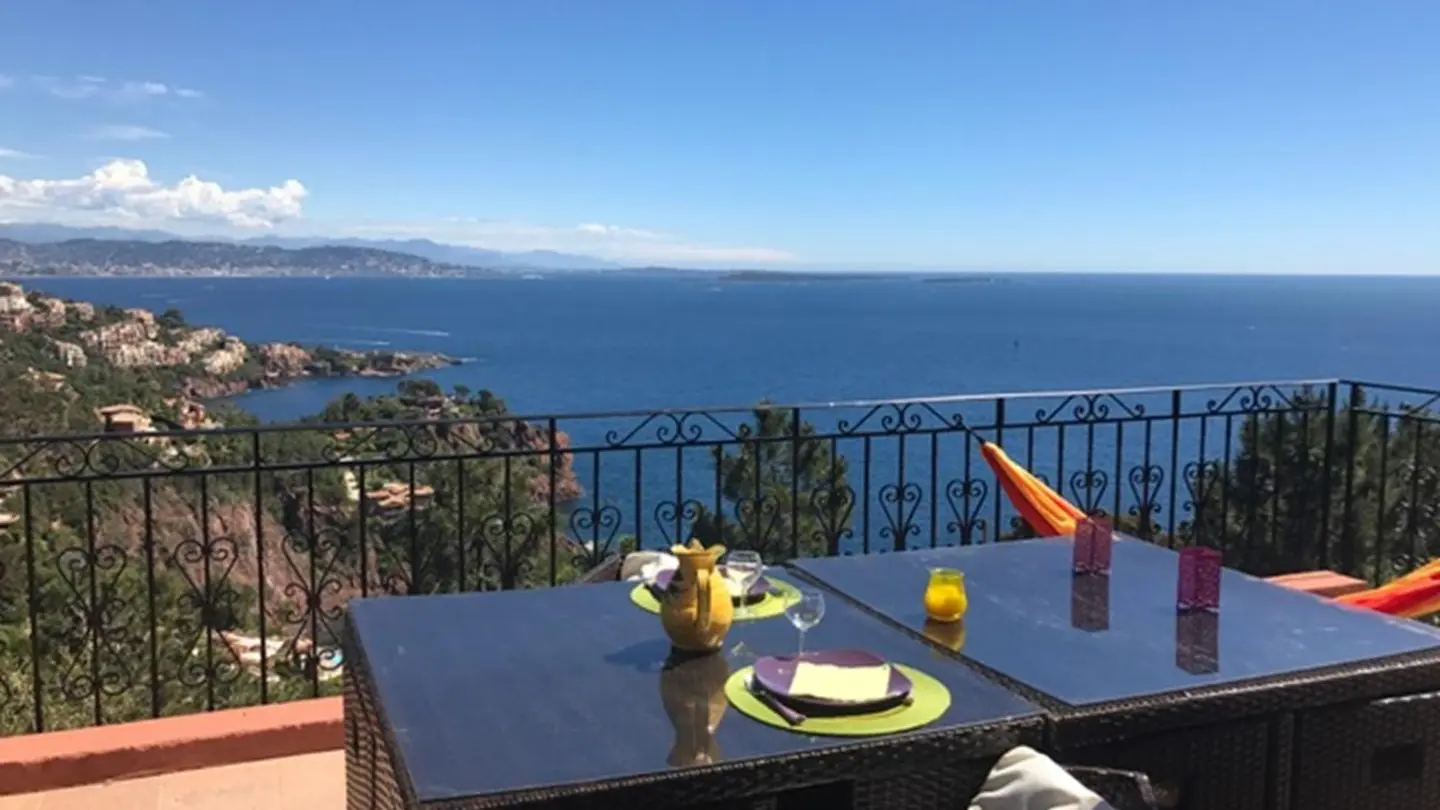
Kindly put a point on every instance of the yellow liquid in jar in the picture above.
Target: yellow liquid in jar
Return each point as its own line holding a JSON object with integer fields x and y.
{"x": 946, "y": 601}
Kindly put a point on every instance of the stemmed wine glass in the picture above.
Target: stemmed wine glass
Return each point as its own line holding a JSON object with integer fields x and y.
{"x": 805, "y": 613}
{"x": 746, "y": 567}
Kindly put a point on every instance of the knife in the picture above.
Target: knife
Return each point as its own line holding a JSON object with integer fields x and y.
{"x": 776, "y": 705}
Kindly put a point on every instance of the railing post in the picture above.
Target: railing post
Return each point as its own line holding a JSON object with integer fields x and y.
{"x": 1175, "y": 404}
{"x": 1348, "y": 559}
{"x": 32, "y": 585}
{"x": 795, "y": 483}
{"x": 997, "y": 495}
{"x": 257, "y": 478}
{"x": 1332, "y": 391}
{"x": 552, "y": 438}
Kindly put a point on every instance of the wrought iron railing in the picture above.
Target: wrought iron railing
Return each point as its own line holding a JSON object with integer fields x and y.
{"x": 159, "y": 573}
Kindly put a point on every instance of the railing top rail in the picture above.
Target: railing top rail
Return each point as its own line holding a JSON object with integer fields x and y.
{"x": 1408, "y": 389}
{"x": 949, "y": 399}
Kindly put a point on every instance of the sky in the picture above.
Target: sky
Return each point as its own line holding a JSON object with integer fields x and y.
{"x": 1283, "y": 136}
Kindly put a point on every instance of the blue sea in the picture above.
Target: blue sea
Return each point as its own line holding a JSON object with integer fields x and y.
{"x": 586, "y": 345}
{"x": 594, "y": 344}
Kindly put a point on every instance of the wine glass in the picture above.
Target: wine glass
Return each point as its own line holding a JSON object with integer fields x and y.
{"x": 805, "y": 613}
{"x": 745, "y": 567}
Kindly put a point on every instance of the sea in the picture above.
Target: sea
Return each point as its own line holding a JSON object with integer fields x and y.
{"x": 582, "y": 344}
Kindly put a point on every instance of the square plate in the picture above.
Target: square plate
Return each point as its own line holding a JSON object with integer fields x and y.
{"x": 774, "y": 674}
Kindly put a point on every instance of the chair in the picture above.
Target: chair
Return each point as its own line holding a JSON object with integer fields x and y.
{"x": 1124, "y": 790}
{"x": 607, "y": 571}
{"x": 619, "y": 566}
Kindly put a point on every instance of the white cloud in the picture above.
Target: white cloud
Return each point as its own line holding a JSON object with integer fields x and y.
{"x": 16, "y": 154}
{"x": 122, "y": 192}
{"x": 144, "y": 89}
{"x": 615, "y": 231}
{"x": 126, "y": 132}
{"x": 615, "y": 242}
{"x": 86, "y": 87}
{"x": 6, "y": 82}
{"x": 80, "y": 87}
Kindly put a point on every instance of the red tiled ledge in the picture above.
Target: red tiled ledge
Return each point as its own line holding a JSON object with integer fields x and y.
{"x": 60, "y": 759}
{"x": 1321, "y": 583}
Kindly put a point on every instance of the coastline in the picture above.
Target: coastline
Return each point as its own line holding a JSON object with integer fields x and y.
{"x": 66, "y": 344}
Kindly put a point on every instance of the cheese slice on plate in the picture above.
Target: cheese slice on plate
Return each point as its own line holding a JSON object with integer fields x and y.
{"x": 848, "y": 684}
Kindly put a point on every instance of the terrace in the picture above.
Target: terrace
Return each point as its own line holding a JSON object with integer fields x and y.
{"x": 172, "y": 603}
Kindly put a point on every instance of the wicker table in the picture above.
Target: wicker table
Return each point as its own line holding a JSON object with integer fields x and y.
{"x": 567, "y": 697}
{"x": 1283, "y": 700}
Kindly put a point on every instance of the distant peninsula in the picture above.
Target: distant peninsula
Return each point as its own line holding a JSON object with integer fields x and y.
{"x": 152, "y": 255}
{"x": 101, "y": 257}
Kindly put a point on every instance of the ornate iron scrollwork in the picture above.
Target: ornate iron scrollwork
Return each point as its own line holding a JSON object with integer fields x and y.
{"x": 966, "y": 497}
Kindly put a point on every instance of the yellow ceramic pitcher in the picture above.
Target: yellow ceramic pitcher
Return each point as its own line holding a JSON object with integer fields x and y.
{"x": 696, "y": 610}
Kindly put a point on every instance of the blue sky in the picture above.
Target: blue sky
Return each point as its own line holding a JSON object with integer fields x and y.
{"x": 1269, "y": 135}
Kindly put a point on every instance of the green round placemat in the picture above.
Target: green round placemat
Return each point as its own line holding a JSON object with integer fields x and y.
{"x": 929, "y": 700}
{"x": 781, "y": 596}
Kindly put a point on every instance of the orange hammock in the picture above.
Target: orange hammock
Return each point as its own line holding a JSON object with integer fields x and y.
{"x": 1049, "y": 515}
{"x": 1414, "y": 595}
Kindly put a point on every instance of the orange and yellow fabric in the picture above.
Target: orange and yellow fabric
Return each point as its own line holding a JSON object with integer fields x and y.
{"x": 1414, "y": 595}
{"x": 1042, "y": 507}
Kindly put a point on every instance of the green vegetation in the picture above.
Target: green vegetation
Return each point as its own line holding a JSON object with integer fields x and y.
{"x": 787, "y": 495}
{"x": 1268, "y": 512}
{"x": 1278, "y": 507}
{"x": 139, "y": 553}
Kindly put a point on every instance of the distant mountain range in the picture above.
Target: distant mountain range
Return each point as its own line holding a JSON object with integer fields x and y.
{"x": 129, "y": 257}
{"x": 28, "y": 249}
{"x": 459, "y": 255}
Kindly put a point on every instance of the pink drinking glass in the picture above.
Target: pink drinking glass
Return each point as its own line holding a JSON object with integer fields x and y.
{"x": 1093, "y": 539}
{"x": 1199, "y": 585}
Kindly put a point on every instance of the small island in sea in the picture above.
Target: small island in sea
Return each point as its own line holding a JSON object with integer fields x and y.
{"x": 961, "y": 278}
{"x": 795, "y": 276}
{"x": 800, "y": 275}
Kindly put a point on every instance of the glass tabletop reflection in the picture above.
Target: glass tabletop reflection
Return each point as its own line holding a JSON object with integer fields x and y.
{"x": 500, "y": 692}
{"x": 1094, "y": 639}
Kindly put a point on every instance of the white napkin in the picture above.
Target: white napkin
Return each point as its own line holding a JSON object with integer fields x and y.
{"x": 1025, "y": 779}
{"x": 644, "y": 566}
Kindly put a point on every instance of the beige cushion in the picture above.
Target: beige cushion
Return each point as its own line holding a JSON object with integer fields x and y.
{"x": 1025, "y": 779}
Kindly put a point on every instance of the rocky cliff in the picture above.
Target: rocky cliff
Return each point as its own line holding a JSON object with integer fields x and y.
{"x": 213, "y": 364}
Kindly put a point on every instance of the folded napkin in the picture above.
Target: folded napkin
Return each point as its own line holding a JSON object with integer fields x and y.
{"x": 1025, "y": 779}
{"x": 646, "y": 565}
{"x": 829, "y": 682}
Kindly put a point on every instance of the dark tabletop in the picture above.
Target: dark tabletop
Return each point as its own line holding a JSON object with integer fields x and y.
{"x": 500, "y": 692}
{"x": 1090, "y": 640}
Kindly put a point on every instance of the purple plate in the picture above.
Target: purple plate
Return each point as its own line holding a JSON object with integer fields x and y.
{"x": 758, "y": 591}
{"x": 774, "y": 675}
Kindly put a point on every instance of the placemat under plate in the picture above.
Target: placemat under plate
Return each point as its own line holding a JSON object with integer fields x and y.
{"x": 781, "y": 596}
{"x": 929, "y": 701}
